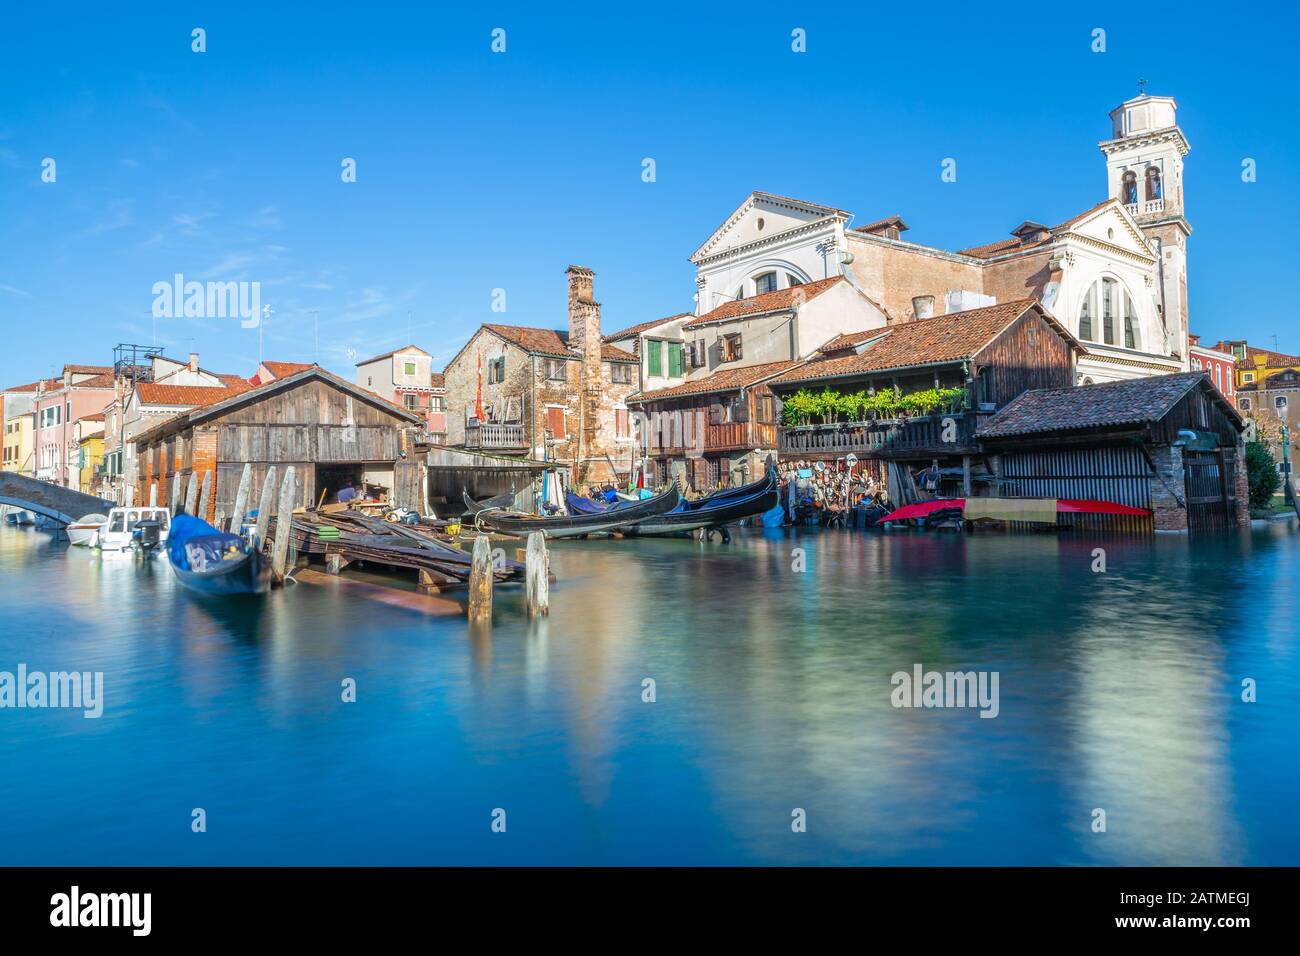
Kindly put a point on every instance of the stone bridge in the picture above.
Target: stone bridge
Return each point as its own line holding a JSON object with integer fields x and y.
{"x": 40, "y": 497}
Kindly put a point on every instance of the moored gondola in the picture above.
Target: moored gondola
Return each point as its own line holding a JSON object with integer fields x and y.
{"x": 214, "y": 562}
{"x": 713, "y": 511}
{"x": 576, "y": 525}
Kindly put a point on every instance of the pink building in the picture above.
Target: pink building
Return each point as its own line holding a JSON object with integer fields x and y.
{"x": 83, "y": 390}
{"x": 1220, "y": 366}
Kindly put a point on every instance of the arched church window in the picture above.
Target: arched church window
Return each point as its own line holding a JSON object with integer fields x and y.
{"x": 1108, "y": 311}
{"x": 1108, "y": 304}
{"x": 1128, "y": 190}
{"x": 1153, "y": 183}
{"x": 765, "y": 283}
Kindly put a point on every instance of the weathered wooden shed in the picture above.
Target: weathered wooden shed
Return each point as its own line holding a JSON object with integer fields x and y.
{"x": 1169, "y": 443}
{"x": 329, "y": 429}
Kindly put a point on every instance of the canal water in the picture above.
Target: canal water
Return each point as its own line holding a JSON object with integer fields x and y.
{"x": 771, "y": 658}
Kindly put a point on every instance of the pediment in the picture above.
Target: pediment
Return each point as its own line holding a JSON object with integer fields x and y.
{"x": 1111, "y": 225}
{"x": 762, "y": 215}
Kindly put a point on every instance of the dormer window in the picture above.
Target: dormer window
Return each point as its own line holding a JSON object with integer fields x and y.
{"x": 765, "y": 283}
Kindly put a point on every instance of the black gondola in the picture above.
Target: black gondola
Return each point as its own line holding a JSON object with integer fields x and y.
{"x": 571, "y": 526}
{"x": 714, "y": 511}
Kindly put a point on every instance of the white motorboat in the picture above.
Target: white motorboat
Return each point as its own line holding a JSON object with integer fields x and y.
{"x": 118, "y": 530}
{"x": 82, "y": 532}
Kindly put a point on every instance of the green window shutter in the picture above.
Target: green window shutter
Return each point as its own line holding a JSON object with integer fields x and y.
{"x": 675, "y": 359}
{"x": 654, "y": 356}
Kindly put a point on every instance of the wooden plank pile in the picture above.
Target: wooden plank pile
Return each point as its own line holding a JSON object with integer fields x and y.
{"x": 347, "y": 536}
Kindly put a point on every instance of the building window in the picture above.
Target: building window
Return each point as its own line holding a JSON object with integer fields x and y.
{"x": 1108, "y": 311}
{"x": 437, "y": 403}
{"x": 1153, "y": 184}
{"x": 731, "y": 348}
{"x": 408, "y": 368}
{"x": 793, "y": 281}
{"x": 1245, "y": 404}
{"x": 620, "y": 373}
{"x": 766, "y": 409}
{"x": 554, "y": 370}
{"x": 1248, "y": 376}
{"x": 676, "y": 365}
{"x": 699, "y": 354}
{"x": 555, "y": 423}
{"x": 740, "y": 293}
{"x": 654, "y": 357}
{"x": 923, "y": 306}
{"x": 1128, "y": 190}
{"x": 1280, "y": 403}
{"x": 621, "y": 428}
{"x": 1085, "y": 317}
{"x": 765, "y": 283}
{"x": 1130, "y": 325}
{"x": 411, "y": 401}
{"x": 496, "y": 370}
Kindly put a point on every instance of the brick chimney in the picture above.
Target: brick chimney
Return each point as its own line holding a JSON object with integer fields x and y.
{"x": 584, "y": 310}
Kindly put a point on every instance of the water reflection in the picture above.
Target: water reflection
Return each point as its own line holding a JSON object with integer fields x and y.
{"x": 771, "y": 657}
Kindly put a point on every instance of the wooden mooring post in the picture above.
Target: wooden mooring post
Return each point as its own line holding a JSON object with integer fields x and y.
{"x": 480, "y": 582}
{"x": 283, "y": 525}
{"x": 241, "y": 498}
{"x": 205, "y": 496}
{"x": 174, "y": 502}
{"x": 537, "y": 576}
{"x": 153, "y": 495}
{"x": 264, "y": 506}
{"x": 192, "y": 494}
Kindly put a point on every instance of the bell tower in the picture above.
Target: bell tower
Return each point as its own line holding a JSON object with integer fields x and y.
{"x": 1144, "y": 171}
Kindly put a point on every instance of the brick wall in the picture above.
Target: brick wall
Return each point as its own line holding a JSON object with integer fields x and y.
{"x": 1167, "y": 487}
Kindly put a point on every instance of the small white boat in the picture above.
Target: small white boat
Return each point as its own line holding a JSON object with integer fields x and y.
{"x": 82, "y": 532}
{"x": 19, "y": 517}
{"x": 117, "y": 533}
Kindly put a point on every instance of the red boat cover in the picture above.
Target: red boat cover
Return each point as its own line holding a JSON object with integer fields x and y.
{"x": 1063, "y": 506}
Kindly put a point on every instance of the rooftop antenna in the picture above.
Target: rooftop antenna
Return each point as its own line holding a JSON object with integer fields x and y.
{"x": 1142, "y": 87}
{"x": 315, "y": 313}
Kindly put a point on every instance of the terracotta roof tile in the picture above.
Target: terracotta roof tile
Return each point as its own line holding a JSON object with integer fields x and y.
{"x": 942, "y": 338}
{"x": 88, "y": 369}
{"x": 103, "y": 380}
{"x": 192, "y": 396}
{"x": 1014, "y": 244}
{"x": 281, "y": 369}
{"x": 1135, "y": 401}
{"x": 553, "y": 342}
{"x": 725, "y": 380}
{"x": 767, "y": 302}
{"x": 439, "y": 380}
{"x": 33, "y": 386}
{"x": 612, "y": 353}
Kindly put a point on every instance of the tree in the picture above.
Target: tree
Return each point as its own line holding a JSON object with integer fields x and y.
{"x": 1261, "y": 473}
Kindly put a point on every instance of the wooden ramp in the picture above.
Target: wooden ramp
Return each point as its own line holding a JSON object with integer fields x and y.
{"x": 40, "y": 497}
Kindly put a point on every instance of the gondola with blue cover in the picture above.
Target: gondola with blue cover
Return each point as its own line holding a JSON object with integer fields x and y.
{"x": 214, "y": 562}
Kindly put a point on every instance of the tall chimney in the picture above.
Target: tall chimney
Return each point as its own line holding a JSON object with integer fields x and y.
{"x": 194, "y": 361}
{"x": 584, "y": 337}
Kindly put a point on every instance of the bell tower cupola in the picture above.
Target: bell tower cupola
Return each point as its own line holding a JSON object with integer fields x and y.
{"x": 1144, "y": 157}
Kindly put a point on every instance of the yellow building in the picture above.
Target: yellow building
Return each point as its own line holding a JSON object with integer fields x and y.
{"x": 88, "y": 433}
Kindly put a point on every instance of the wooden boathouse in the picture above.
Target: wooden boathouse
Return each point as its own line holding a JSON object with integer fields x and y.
{"x": 328, "y": 428}
{"x": 980, "y": 359}
{"x": 1169, "y": 443}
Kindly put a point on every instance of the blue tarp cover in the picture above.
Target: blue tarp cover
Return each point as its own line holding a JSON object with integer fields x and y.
{"x": 193, "y": 544}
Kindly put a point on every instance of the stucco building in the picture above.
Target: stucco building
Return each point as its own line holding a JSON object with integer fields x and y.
{"x": 558, "y": 395}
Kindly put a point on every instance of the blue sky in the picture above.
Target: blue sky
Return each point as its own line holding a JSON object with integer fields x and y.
{"x": 478, "y": 171}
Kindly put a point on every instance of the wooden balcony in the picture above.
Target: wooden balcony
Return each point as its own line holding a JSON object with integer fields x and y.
{"x": 939, "y": 434}
{"x": 496, "y": 437}
{"x": 739, "y": 436}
